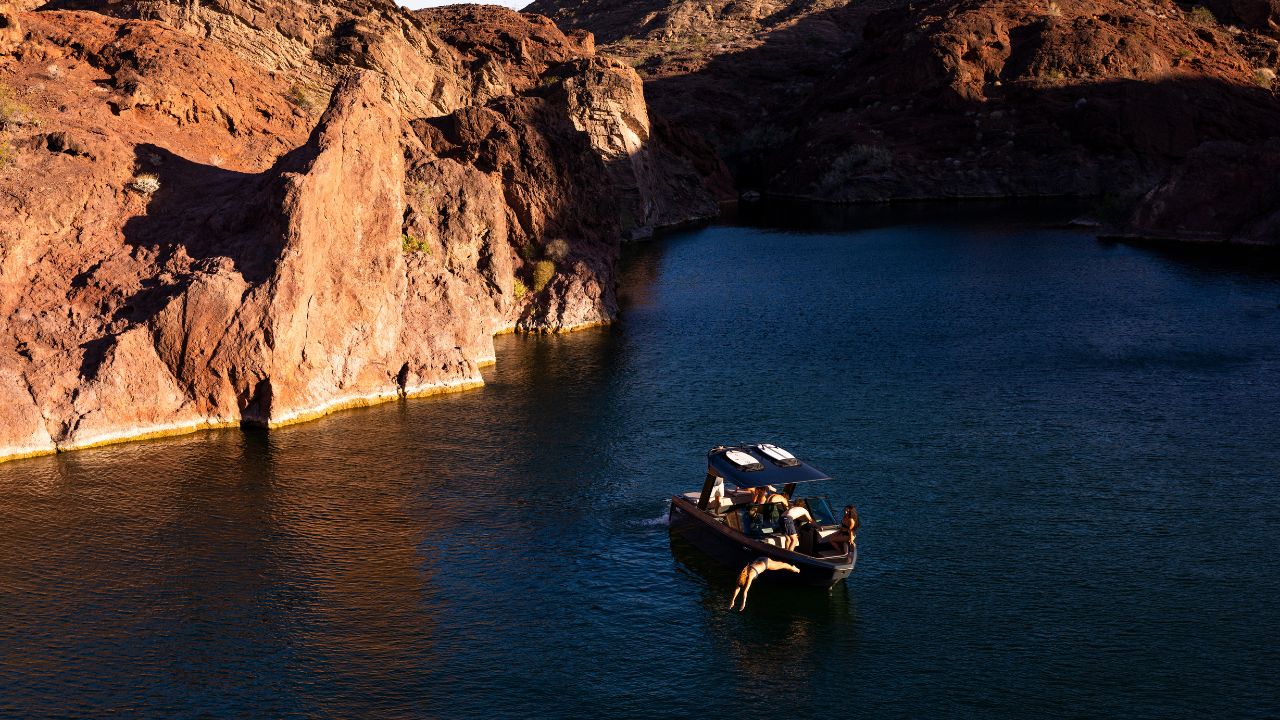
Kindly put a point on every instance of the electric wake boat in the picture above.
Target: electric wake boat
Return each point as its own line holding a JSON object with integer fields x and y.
{"x": 728, "y": 524}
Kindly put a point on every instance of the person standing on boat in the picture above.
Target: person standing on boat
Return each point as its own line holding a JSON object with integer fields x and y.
{"x": 794, "y": 518}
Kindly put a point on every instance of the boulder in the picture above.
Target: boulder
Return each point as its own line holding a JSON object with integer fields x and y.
{"x": 1224, "y": 191}
{"x": 10, "y": 28}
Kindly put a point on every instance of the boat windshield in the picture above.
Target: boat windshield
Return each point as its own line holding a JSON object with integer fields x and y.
{"x": 760, "y": 520}
{"x": 819, "y": 508}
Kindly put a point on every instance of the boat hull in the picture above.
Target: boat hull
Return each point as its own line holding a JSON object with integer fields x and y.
{"x": 735, "y": 550}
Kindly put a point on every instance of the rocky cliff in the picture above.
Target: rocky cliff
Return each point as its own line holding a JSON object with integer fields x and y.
{"x": 221, "y": 212}
{"x": 1149, "y": 103}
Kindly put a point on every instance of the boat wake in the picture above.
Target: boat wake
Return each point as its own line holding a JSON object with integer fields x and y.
{"x": 652, "y": 522}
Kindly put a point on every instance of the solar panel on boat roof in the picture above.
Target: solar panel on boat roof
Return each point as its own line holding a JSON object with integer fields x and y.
{"x": 743, "y": 460}
{"x": 778, "y": 455}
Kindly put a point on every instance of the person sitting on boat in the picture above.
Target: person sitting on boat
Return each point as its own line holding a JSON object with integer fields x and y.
{"x": 792, "y": 520}
{"x": 758, "y": 522}
{"x": 752, "y": 571}
{"x": 848, "y": 533}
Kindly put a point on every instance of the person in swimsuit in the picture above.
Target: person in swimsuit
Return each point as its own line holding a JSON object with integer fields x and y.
{"x": 795, "y": 517}
{"x": 849, "y": 524}
{"x": 752, "y": 571}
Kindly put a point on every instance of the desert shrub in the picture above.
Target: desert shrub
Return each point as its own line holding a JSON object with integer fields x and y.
{"x": 518, "y": 289}
{"x": 1052, "y": 9}
{"x": 763, "y": 137}
{"x": 146, "y": 183}
{"x": 1202, "y": 14}
{"x": 543, "y": 271}
{"x": 7, "y": 154}
{"x": 411, "y": 244}
{"x": 857, "y": 160}
{"x": 557, "y": 249}
{"x": 750, "y": 149}
{"x": 299, "y": 96}
{"x": 419, "y": 191}
{"x": 528, "y": 251}
{"x": 1264, "y": 77}
{"x": 12, "y": 112}
{"x": 867, "y": 158}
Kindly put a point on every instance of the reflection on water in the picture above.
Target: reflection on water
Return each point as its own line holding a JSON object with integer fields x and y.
{"x": 1063, "y": 452}
{"x": 790, "y": 634}
{"x": 793, "y": 215}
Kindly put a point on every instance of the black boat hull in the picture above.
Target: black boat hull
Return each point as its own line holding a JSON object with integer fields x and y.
{"x": 735, "y": 550}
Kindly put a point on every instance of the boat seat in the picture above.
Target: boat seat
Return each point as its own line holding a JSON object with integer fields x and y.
{"x": 720, "y": 504}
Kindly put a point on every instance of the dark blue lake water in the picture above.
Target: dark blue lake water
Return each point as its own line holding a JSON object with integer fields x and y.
{"x": 1064, "y": 453}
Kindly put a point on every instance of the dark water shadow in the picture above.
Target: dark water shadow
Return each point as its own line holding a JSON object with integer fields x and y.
{"x": 811, "y": 216}
{"x": 1257, "y": 262}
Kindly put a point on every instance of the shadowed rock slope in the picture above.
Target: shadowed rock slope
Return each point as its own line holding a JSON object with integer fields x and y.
{"x": 1150, "y": 103}
{"x": 222, "y": 212}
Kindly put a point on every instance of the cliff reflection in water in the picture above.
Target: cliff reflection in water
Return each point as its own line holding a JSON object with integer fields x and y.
{"x": 213, "y": 563}
{"x": 297, "y": 568}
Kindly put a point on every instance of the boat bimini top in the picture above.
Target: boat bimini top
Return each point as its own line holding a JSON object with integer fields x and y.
{"x": 753, "y": 466}
{"x": 756, "y": 466}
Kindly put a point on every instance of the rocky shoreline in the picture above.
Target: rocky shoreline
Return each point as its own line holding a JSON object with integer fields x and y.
{"x": 1169, "y": 110}
{"x": 216, "y": 213}
{"x": 215, "y": 216}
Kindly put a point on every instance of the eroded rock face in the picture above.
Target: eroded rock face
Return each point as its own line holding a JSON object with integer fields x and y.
{"x": 10, "y": 28}
{"x": 997, "y": 99}
{"x": 676, "y": 20}
{"x": 311, "y": 43}
{"x": 884, "y": 99}
{"x": 270, "y": 349}
{"x": 189, "y": 244}
{"x": 1224, "y": 191}
{"x": 605, "y": 100}
{"x": 1263, "y": 15}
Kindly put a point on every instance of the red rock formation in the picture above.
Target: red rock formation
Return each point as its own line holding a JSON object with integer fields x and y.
{"x": 1262, "y": 15}
{"x": 1224, "y": 191}
{"x": 10, "y": 28}
{"x": 994, "y": 99}
{"x": 187, "y": 242}
{"x": 884, "y": 100}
